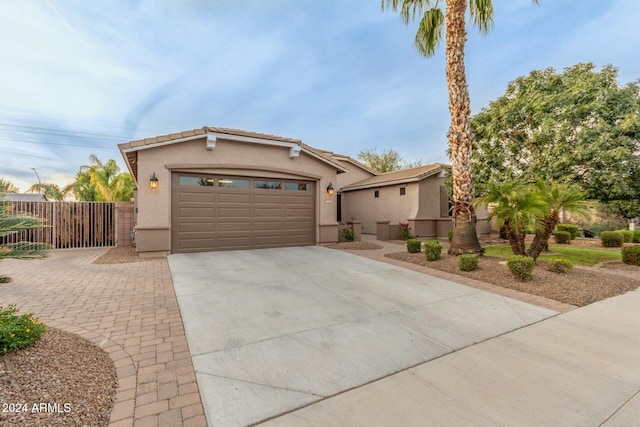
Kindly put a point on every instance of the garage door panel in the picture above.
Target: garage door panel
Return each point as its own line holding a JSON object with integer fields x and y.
{"x": 234, "y": 198}
{"x": 206, "y": 218}
{"x": 236, "y": 226}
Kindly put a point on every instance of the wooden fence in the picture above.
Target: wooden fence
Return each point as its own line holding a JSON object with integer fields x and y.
{"x": 76, "y": 224}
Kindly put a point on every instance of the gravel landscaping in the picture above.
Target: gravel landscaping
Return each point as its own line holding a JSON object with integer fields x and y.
{"x": 119, "y": 255}
{"x": 62, "y": 380}
{"x": 578, "y": 287}
{"x": 354, "y": 246}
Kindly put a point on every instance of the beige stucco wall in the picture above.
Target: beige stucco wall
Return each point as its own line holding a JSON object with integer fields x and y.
{"x": 229, "y": 157}
{"x": 354, "y": 174}
{"x": 390, "y": 206}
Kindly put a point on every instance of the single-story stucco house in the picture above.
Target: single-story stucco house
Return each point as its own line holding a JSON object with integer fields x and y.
{"x": 220, "y": 189}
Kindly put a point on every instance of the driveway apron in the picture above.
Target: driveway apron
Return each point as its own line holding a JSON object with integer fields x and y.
{"x": 272, "y": 330}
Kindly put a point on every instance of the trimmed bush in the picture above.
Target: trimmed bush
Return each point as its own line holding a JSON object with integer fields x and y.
{"x": 413, "y": 246}
{"x": 432, "y": 250}
{"x": 612, "y": 239}
{"x": 521, "y": 266}
{"x": 348, "y": 235}
{"x": 559, "y": 265}
{"x": 18, "y": 331}
{"x": 562, "y": 237}
{"x": 569, "y": 228}
{"x": 628, "y": 235}
{"x": 636, "y": 236}
{"x": 631, "y": 255}
{"x": 450, "y": 235}
{"x": 468, "y": 262}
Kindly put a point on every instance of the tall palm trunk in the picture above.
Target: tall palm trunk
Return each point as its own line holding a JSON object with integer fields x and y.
{"x": 465, "y": 238}
{"x": 540, "y": 241}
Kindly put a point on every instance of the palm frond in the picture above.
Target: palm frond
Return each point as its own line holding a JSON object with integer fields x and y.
{"x": 481, "y": 12}
{"x": 24, "y": 250}
{"x": 429, "y": 32}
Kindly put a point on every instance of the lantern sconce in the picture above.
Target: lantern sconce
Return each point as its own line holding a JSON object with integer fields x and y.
{"x": 330, "y": 189}
{"x": 153, "y": 181}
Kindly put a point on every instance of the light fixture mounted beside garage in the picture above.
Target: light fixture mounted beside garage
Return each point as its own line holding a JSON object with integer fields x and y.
{"x": 153, "y": 181}
{"x": 330, "y": 190}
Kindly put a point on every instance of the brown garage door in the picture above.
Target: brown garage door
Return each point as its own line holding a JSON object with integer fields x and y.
{"x": 211, "y": 212}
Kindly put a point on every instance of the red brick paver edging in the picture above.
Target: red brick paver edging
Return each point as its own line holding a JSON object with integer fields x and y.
{"x": 130, "y": 311}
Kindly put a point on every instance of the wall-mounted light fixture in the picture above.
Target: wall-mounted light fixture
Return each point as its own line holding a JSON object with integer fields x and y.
{"x": 153, "y": 181}
{"x": 330, "y": 189}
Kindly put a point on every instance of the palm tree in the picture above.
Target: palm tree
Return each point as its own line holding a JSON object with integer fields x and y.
{"x": 557, "y": 197}
{"x": 101, "y": 182}
{"x": 428, "y": 37}
{"x": 7, "y": 186}
{"x": 51, "y": 191}
{"x": 515, "y": 207}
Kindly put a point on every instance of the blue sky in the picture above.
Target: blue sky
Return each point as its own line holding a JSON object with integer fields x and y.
{"x": 81, "y": 76}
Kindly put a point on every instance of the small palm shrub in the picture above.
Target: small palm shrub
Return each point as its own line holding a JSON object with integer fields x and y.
{"x": 562, "y": 237}
{"x": 18, "y": 331}
{"x": 631, "y": 255}
{"x": 348, "y": 235}
{"x": 559, "y": 265}
{"x": 636, "y": 236}
{"x": 413, "y": 246}
{"x": 433, "y": 250}
{"x": 628, "y": 235}
{"x": 468, "y": 262}
{"x": 521, "y": 266}
{"x": 612, "y": 239}
{"x": 569, "y": 228}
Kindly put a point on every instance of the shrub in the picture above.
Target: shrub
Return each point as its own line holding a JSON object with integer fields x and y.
{"x": 404, "y": 231}
{"x": 636, "y": 236}
{"x": 592, "y": 230}
{"x": 348, "y": 235}
{"x": 450, "y": 235}
{"x": 562, "y": 237}
{"x": 413, "y": 246}
{"x": 628, "y": 235}
{"x": 521, "y": 266}
{"x": 18, "y": 331}
{"x": 612, "y": 239}
{"x": 570, "y": 228}
{"x": 432, "y": 250}
{"x": 468, "y": 262}
{"x": 631, "y": 255}
{"x": 559, "y": 265}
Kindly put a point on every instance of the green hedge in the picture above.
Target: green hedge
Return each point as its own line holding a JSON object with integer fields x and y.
{"x": 612, "y": 239}
{"x": 521, "y": 266}
{"x": 559, "y": 265}
{"x": 631, "y": 255}
{"x": 569, "y": 228}
{"x": 468, "y": 262}
{"x": 636, "y": 236}
{"x": 432, "y": 250}
{"x": 562, "y": 237}
{"x": 413, "y": 246}
{"x": 628, "y": 235}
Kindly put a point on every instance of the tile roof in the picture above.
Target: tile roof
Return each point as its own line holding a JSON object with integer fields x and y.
{"x": 398, "y": 177}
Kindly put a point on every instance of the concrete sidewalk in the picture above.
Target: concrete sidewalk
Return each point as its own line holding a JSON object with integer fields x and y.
{"x": 581, "y": 368}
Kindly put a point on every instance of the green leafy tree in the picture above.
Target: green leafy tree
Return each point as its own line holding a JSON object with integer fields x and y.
{"x": 7, "y": 186}
{"x": 387, "y": 161}
{"x": 12, "y": 222}
{"x": 578, "y": 126}
{"x": 51, "y": 191}
{"x": 515, "y": 207}
{"x": 556, "y": 198}
{"x": 101, "y": 182}
{"x": 428, "y": 36}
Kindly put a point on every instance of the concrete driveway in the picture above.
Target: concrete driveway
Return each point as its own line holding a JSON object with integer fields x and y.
{"x": 272, "y": 330}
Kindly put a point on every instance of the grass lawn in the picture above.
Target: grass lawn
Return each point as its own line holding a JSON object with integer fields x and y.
{"x": 577, "y": 256}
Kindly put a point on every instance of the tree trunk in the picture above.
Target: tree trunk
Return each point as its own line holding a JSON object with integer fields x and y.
{"x": 541, "y": 240}
{"x": 465, "y": 239}
{"x": 516, "y": 239}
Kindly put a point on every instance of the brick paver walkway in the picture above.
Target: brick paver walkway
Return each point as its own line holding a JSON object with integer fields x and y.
{"x": 129, "y": 310}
